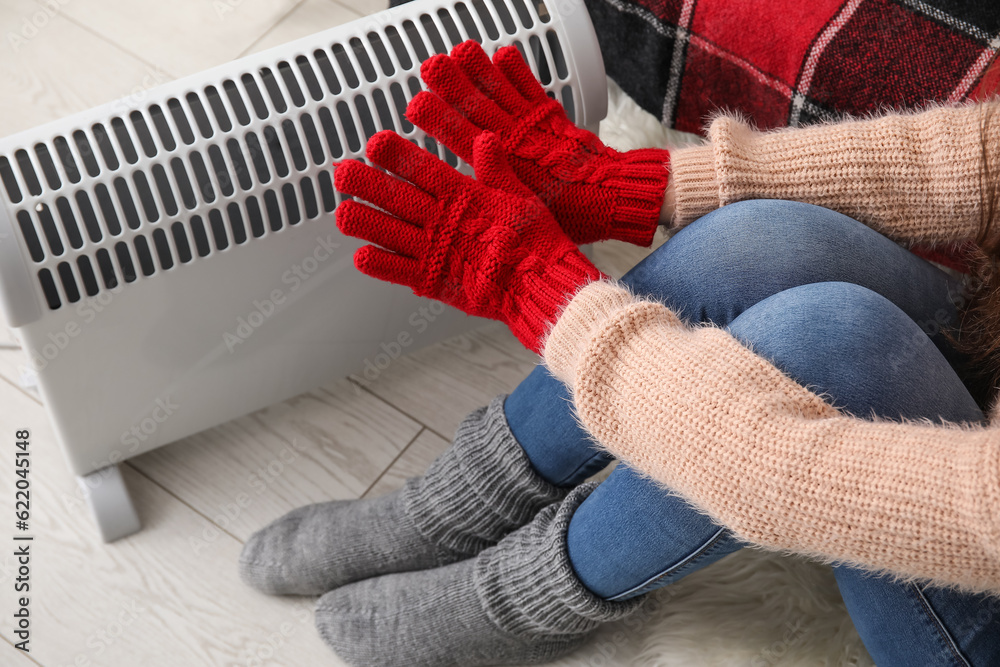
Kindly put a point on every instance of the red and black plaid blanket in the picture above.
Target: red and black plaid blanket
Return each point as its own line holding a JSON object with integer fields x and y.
{"x": 793, "y": 62}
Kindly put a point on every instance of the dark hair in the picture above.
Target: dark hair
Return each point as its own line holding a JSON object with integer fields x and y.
{"x": 979, "y": 334}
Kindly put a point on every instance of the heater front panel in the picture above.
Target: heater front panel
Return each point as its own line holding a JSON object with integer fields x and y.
{"x": 152, "y": 231}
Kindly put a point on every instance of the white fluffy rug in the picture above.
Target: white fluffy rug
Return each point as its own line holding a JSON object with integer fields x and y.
{"x": 751, "y": 609}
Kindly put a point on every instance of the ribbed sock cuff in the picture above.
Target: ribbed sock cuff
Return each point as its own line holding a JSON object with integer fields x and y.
{"x": 527, "y": 584}
{"x": 480, "y": 489}
{"x": 641, "y": 184}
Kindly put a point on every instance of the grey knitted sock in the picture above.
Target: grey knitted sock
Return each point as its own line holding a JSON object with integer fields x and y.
{"x": 516, "y": 603}
{"x": 477, "y": 491}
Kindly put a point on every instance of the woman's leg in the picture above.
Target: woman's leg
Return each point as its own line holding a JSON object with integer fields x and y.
{"x": 716, "y": 268}
{"x": 871, "y": 358}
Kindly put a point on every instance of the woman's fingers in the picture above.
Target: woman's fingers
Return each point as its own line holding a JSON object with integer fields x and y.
{"x": 396, "y": 196}
{"x": 364, "y": 222}
{"x": 510, "y": 62}
{"x": 488, "y": 78}
{"x": 443, "y": 76}
{"x": 388, "y": 266}
{"x": 397, "y": 155}
{"x": 438, "y": 119}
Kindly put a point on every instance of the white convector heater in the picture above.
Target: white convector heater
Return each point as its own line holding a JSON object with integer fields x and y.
{"x": 171, "y": 266}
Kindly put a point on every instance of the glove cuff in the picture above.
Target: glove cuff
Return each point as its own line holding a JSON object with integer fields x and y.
{"x": 640, "y": 184}
{"x": 543, "y": 292}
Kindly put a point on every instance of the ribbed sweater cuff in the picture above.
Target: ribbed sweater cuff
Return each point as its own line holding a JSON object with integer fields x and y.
{"x": 696, "y": 185}
{"x": 579, "y": 323}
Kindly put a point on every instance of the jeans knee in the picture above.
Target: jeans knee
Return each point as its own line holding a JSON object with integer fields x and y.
{"x": 750, "y": 243}
{"x": 857, "y": 347}
{"x": 832, "y": 318}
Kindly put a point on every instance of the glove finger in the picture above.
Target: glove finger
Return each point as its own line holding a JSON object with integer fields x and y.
{"x": 492, "y": 168}
{"x": 443, "y": 76}
{"x": 395, "y": 195}
{"x": 488, "y": 78}
{"x": 388, "y": 266}
{"x": 364, "y": 222}
{"x": 397, "y": 155}
{"x": 511, "y": 63}
{"x": 438, "y": 119}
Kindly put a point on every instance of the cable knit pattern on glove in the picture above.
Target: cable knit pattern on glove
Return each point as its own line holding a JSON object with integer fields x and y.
{"x": 911, "y": 177}
{"x": 594, "y": 192}
{"x": 770, "y": 460}
{"x": 488, "y": 246}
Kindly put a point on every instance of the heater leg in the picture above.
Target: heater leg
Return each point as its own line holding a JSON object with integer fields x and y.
{"x": 110, "y": 503}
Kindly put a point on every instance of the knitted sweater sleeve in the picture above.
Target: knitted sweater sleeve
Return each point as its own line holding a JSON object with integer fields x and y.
{"x": 758, "y": 453}
{"x": 912, "y": 177}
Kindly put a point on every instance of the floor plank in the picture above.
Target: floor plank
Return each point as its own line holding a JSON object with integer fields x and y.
{"x": 168, "y": 596}
{"x": 12, "y": 657}
{"x": 331, "y": 443}
{"x": 51, "y": 67}
{"x": 181, "y": 36}
{"x": 412, "y": 463}
{"x": 440, "y": 384}
{"x": 365, "y": 7}
{"x": 310, "y": 17}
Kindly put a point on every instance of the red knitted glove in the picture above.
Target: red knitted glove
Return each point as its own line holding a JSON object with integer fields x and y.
{"x": 595, "y": 192}
{"x": 488, "y": 247}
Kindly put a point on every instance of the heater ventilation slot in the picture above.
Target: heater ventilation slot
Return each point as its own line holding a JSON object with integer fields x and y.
{"x": 162, "y": 249}
{"x": 218, "y": 109}
{"x": 48, "y": 167}
{"x": 107, "y": 268}
{"x": 145, "y": 257}
{"x": 125, "y": 262}
{"x": 28, "y": 172}
{"x": 87, "y": 153}
{"x": 181, "y": 242}
{"x": 236, "y": 101}
{"x": 49, "y": 227}
{"x": 285, "y": 70}
{"x": 142, "y": 131}
{"x": 398, "y": 47}
{"x": 181, "y": 120}
{"x": 68, "y": 281}
{"x": 49, "y": 288}
{"x": 162, "y": 129}
{"x": 89, "y": 217}
{"x": 30, "y": 237}
{"x": 432, "y": 34}
{"x": 468, "y": 22}
{"x": 9, "y": 181}
{"x": 124, "y": 140}
{"x": 236, "y": 223}
{"x": 104, "y": 143}
{"x": 200, "y": 117}
{"x": 128, "y": 206}
{"x": 108, "y": 209}
{"x": 65, "y": 157}
{"x": 86, "y": 269}
{"x": 450, "y": 28}
{"x": 69, "y": 223}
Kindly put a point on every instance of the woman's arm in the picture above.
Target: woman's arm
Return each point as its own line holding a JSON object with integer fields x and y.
{"x": 773, "y": 462}
{"x": 912, "y": 177}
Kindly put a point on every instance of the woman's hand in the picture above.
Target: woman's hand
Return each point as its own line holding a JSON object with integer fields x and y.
{"x": 488, "y": 247}
{"x": 594, "y": 192}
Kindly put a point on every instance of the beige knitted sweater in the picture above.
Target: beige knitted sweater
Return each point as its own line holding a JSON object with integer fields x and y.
{"x": 747, "y": 445}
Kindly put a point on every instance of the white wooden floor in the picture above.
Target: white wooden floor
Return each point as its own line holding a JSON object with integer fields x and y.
{"x": 170, "y": 595}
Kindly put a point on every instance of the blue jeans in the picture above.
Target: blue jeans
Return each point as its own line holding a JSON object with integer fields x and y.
{"x": 839, "y": 308}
